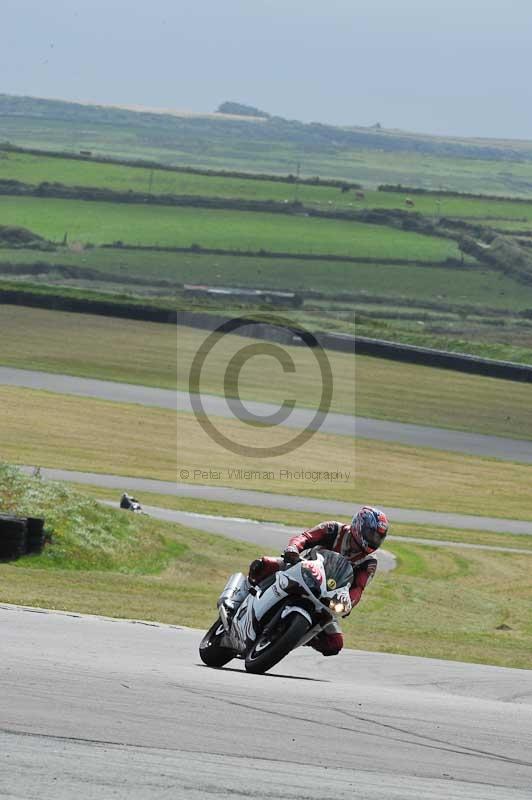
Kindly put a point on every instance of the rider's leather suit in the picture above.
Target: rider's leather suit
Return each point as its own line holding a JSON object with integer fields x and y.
{"x": 333, "y": 536}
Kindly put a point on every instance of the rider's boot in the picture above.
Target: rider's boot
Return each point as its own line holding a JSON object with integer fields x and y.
{"x": 328, "y": 644}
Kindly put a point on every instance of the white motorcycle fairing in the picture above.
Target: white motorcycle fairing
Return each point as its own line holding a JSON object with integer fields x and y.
{"x": 263, "y": 623}
{"x": 289, "y": 583}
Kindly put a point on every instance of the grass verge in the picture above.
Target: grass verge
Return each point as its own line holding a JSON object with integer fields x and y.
{"x": 106, "y": 561}
{"x": 84, "y": 535}
{"x": 441, "y": 603}
{"x": 306, "y": 520}
{"x": 437, "y": 603}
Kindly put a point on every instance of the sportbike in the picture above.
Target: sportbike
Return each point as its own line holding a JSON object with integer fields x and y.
{"x": 262, "y": 624}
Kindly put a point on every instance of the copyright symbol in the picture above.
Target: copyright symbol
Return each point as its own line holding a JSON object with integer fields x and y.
{"x": 278, "y": 327}
{"x": 184, "y": 474}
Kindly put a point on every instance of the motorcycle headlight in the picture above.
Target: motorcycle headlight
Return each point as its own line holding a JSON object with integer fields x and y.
{"x": 337, "y": 606}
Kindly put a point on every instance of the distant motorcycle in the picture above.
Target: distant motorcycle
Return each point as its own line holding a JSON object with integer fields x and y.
{"x": 262, "y": 624}
{"x": 131, "y": 504}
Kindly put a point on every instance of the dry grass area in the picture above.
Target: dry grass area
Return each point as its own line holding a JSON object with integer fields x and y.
{"x": 146, "y": 353}
{"x": 443, "y": 398}
{"x": 98, "y": 347}
{"x": 262, "y": 377}
{"x": 155, "y": 354}
{"x": 99, "y": 436}
{"x": 75, "y": 433}
{"x": 451, "y": 604}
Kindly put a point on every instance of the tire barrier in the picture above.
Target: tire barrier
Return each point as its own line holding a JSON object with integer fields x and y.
{"x": 35, "y": 537}
{"x": 13, "y": 537}
{"x": 20, "y": 536}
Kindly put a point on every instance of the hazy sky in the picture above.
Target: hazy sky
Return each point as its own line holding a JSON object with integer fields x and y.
{"x": 441, "y": 66}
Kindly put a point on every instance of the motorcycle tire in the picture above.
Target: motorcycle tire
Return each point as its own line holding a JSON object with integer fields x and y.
{"x": 269, "y": 649}
{"x": 211, "y": 652}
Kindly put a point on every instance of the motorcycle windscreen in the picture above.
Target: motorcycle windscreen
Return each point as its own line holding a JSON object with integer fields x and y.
{"x": 337, "y": 567}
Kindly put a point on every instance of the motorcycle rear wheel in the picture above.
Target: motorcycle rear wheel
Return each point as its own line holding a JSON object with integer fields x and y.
{"x": 211, "y": 652}
{"x": 271, "y": 647}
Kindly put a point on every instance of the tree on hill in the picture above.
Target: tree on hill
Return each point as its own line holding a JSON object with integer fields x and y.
{"x": 240, "y": 110}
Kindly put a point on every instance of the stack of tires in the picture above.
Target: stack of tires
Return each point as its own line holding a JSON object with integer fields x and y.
{"x": 19, "y": 536}
{"x": 13, "y": 537}
{"x": 35, "y": 534}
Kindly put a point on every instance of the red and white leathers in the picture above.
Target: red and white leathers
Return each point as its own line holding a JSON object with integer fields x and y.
{"x": 333, "y": 536}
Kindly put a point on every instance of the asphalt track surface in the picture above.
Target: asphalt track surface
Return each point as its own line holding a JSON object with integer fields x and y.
{"x": 273, "y": 537}
{"x": 94, "y": 708}
{"x": 327, "y": 509}
{"x": 342, "y": 424}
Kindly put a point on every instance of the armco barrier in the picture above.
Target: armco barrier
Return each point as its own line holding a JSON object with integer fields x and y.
{"x": 82, "y": 305}
{"x": 262, "y": 330}
{"x": 438, "y": 358}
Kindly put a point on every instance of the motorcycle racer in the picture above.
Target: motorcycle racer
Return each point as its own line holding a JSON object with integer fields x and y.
{"x": 356, "y": 541}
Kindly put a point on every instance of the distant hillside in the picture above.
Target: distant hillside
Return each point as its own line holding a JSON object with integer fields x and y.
{"x": 254, "y": 141}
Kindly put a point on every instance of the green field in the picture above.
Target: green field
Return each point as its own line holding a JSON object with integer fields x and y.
{"x": 506, "y": 340}
{"x": 447, "y": 309}
{"x": 450, "y": 309}
{"x": 434, "y": 172}
{"x": 468, "y": 286}
{"x": 458, "y": 309}
{"x": 288, "y": 274}
{"x": 99, "y": 223}
{"x": 363, "y": 155}
{"x": 523, "y": 226}
{"x": 35, "y": 169}
{"x": 482, "y": 287}
{"x": 134, "y": 567}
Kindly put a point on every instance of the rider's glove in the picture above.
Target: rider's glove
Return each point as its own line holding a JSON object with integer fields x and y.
{"x": 343, "y": 597}
{"x": 291, "y": 555}
{"x": 255, "y": 569}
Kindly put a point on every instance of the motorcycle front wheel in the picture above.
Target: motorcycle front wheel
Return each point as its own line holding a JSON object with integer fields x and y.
{"x": 273, "y": 645}
{"x": 212, "y": 653}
